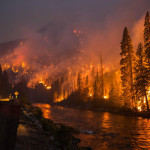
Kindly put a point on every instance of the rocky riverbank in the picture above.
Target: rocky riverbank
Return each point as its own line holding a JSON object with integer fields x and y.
{"x": 37, "y": 133}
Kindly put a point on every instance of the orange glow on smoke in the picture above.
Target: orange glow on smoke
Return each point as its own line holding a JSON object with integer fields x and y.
{"x": 75, "y": 31}
{"x": 23, "y": 65}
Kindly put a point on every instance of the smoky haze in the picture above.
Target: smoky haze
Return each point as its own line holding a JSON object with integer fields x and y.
{"x": 67, "y": 34}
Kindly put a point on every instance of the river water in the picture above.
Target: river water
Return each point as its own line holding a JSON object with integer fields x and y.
{"x": 110, "y": 131}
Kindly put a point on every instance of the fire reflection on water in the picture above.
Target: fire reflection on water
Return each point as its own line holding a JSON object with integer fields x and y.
{"x": 110, "y": 131}
{"x": 105, "y": 121}
{"x": 45, "y": 108}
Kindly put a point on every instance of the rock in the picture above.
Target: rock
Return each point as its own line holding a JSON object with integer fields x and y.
{"x": 51, "y": 138}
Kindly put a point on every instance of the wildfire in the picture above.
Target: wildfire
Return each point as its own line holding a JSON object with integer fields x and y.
{"x": 48, "y": 87}
{"x": 139, "y": 108}
{"x": 105, "y": 97}
{"x": 144, "y": 100}
{"x": 75, "y": 31}
{"x": 46, "y": 74}
{"x": 23, "y": 65}
{"x": 91, "y": 66}
{"x": 42, "y": 82}
{"x": 90, "y": 94}
{"x": 6, "y": 66}
{"x": 59, "y": 99}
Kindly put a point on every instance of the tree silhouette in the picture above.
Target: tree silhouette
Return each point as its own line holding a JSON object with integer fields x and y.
{"x": 126, "y": 63}
{"x": 141, "y": 76}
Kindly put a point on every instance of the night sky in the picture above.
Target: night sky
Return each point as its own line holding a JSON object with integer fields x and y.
{"x": 19, "y": 15}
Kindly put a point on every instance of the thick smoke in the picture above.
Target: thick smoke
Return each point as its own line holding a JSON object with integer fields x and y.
{"x": 138, "y": 32}
{"x": 76, "y": 35}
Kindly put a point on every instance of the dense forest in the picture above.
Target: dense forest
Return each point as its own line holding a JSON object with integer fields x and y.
{"x": 126, "y": 87}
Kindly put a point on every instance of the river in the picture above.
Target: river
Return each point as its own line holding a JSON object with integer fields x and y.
{"x": 110, "y": 131}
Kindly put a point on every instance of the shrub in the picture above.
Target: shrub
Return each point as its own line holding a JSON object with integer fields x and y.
{"x": 37, "y": 112}
{"x": 48, "y": 125}
{"x": 64, "y": 135}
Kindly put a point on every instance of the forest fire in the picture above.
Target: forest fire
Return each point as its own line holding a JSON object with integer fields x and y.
{"x": 48, "y": 87}
{"x": 86, "y": 77}
{"x": 90, "y": 94}
{"x": 77, "y": 72}
{"x": 92, "y": 79}
{"x": 139, "y": 108}
{"x": 105, "y": 97}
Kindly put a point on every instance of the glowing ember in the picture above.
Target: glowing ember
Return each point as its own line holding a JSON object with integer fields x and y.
{"x": 23, "y": 65}
{"x": 105, "y": 97}
{"x": 75, "y": 31}
{"x": 139, "y": 108}
{"x": 48, "y": 87}
{"x": 15, "y": 70}
{"x": 91, "y": 66}
{"x": 144, "y": 100}
{"x": 59, "y": 99}
{"x": 21, "y": 43}
{"x": 90, "y": 94}
{"x": 42, "y": 82}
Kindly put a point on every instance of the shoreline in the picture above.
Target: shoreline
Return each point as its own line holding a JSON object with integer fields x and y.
{"x": 119, "y": 112}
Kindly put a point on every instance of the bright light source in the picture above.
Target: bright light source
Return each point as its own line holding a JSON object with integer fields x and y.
{"x": 139, "y": 108}
{"x": 48, "y": 88}
{"x": 90, "y": 94}
{"x": 105, "y": 97}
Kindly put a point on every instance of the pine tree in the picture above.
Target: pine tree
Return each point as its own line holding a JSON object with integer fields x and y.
{"x": 93, "y": 73}
{"x": 147, "y": 37}
{"x": 141, "y": 76}
{"x": 85, "y": 89}
{"x": 113, "y": 95}
{"x": 87, "y": 85}
{"x": 101, "y": 78}
{"x": 96, "y": 86}
{"x": 79, "y": 82}
{"x": 127, "y": 54}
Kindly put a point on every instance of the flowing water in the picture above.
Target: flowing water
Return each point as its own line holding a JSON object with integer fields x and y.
{"x": 110, "y": 131}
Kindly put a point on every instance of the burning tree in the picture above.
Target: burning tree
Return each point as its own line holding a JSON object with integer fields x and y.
{"x": 96, "y": 86}
{"x": 127, "y": 54}
{"x": 141, "y": 77}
